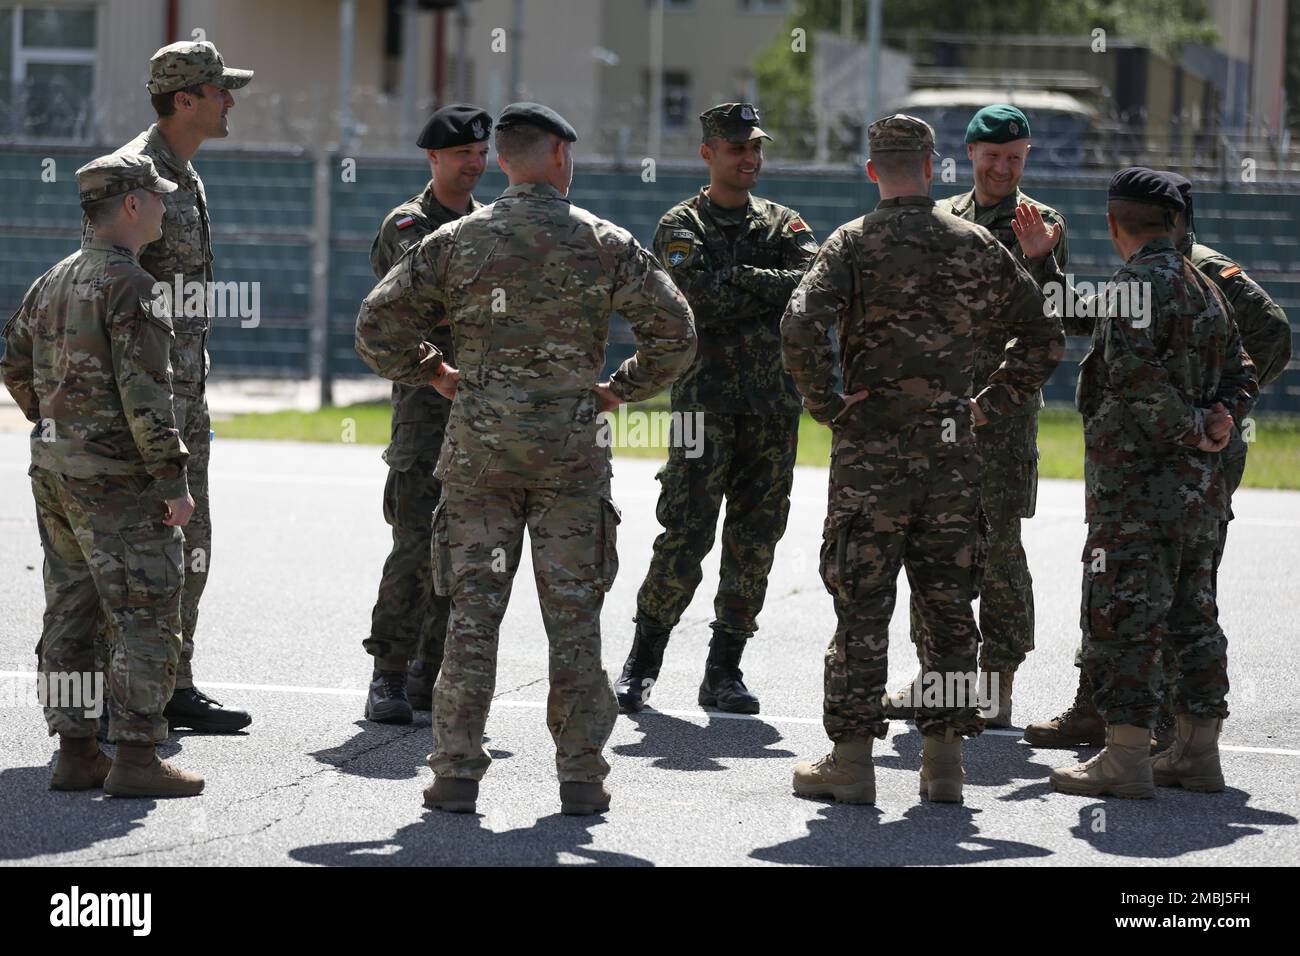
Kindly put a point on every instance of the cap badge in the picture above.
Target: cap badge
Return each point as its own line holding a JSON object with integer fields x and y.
{"x": 1014, "y": 127}
{"x": 747, "y": 113}
{"x": 477, "y": 129}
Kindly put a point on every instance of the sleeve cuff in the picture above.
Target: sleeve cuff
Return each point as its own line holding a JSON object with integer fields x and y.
{"x": 170, "y": 488}
{"x": 828, "y": 412}
{"x": 1197, "y": 432}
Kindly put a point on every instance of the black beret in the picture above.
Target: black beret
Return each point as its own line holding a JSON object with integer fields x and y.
{"x": 1184, "y": 187}
{"x": 1139, "y": 184}
{"x": 456, "y": 125}
{"x": 535, "y": 114}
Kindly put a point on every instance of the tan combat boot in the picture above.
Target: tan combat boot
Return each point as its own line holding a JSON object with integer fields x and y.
{"x": 137, "y": 772}
{"x": 1193, "y": 761}
{"x": 453, "y": 794}
{"x": 580, "y": 799}
{"x": 845, "y": 774}
{"x": 1122, "y": 769}
{"x": 901, "y": 704}
{"x": 81, "y": 765}
{"x": 941, "y": 772}
{"x": 1078, "y": 726}
{"x": 1002, "y": 716}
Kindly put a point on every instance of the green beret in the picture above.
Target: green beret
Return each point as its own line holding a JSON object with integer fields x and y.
{"x": 997, "y": 124}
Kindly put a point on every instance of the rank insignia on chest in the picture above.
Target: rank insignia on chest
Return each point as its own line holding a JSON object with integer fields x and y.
{"x": 679, "y": 250}
{"x": 404, "y": 222}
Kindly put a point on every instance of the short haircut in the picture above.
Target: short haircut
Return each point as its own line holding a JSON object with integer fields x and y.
{"x": 524, "y": 143}
{"x": 1140, "y": 218}
{"x": 101, "y": 212}
{"x": 899, "y": 164}
{"x": 164, "y": 104}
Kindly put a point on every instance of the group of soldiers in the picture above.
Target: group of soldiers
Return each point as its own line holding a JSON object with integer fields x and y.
{"x": 491, "y": 321}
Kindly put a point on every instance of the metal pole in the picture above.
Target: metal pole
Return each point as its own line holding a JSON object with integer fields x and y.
{"x": 410, "y": 52}
{"x": 462, "y": 44}
{"x": 516, "y": 38}
{"x": 347, "y": 29}
{"x": 655, "y": 136}
{"x": 319, "y": 363}
{"x": 873, "y": 61}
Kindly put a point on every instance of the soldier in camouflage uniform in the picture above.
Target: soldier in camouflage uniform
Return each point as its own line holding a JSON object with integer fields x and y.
{"x": 736, "y": 258}
{"x": 409, "y": 621}
{"x": 910, "y": 291}
{"x": 528, "y": 285}
{"x": 997, "y": 141}
{"x": 1159, "y": 390}
{"x": 86, "y": 359}
{"x": 190, "y": 86}
{"x": 1266, "y": 337}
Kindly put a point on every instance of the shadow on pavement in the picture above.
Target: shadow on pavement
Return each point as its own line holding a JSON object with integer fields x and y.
{"x": 40, "y": 821}
{"x": 453, "y": 839}
{"x": 989, "y": 760}
{"x": 388, "y": 751}
{"x": 677, "y": 744}
{"x": 928, "y": 835}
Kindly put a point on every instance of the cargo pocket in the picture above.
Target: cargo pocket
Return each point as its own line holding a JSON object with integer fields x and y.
{"x": 154, "y": 569}
{"x": 607, "y": 542}
{"x": 444, "y": 577}
{"x": 836, "y": 568}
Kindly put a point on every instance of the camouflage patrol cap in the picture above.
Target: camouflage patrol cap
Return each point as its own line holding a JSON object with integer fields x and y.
{"x": 735, "y": 122}
{"x": 900, "y": 133}
{"x": 119, "y": 173}
{"x": 190, "y": 63}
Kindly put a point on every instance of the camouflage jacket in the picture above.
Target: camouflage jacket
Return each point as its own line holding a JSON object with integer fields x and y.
{"x": 737, "y": 314}
{"x": 1009, "y": 448}
{"x": 528, "y": 284}
{"x": 184, "y": 250}
{"x": 419, "y": 413}
{"x": 86, "y": 359}
{"x": 913, "y": 292}
{"x": 1144, "y": 387}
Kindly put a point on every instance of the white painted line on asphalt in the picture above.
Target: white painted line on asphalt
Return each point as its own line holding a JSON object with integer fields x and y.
{"x": 541, "y": 705}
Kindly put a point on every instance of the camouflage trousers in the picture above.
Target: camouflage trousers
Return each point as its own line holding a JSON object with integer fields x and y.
{"x": 1006, "y": 593}
{"x": 914, "y": 513}
{"x": 1148, "y": 590}
{"x": 749, "y": 461}
{"x": 478, "y": 539}
{"x": 409, "y": 620}
{"x": 108, "y": 555}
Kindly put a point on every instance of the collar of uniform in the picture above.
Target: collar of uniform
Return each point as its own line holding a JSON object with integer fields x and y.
{"x": 535, "y": 190}
{"x": 173, "y": 167}
{"x": 710, "y": 205}
{"x": 1188, "y": 240}
{"x": 1006, "y": 205}
{"x": 1152, "y": 245}
{"x": 103, "y": 245}
{"x": 905, "y": 201}
{"x": 429, "y": 202}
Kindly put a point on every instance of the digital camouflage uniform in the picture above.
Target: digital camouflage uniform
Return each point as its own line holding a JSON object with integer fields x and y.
{"x": 409, "y": 620}
{"x": 737, "y": 268}
{"x": 1154, "y": 502}
{"x": 909, "y": 291}
{"x": 528, "y": 284}
{"x": 1008, "y": 452}
{"x": 87, "y": 360}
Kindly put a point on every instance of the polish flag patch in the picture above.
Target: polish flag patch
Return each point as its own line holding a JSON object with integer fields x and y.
{"x": 404, "y": 222}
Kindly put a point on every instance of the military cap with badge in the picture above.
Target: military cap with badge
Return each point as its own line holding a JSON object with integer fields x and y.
{"x": 735, "y": 122}
{"x": 458, "y": 124}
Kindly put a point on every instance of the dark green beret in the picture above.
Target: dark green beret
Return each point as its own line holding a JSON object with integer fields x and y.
{"x": 535, "y": 114}
{"x": 999, "y": 123}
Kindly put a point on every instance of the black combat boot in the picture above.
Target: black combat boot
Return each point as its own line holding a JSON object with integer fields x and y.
{"x": 387, "y": 702}
{"x": 420, "y": 678}
{"x": 192, "y": 709}
{"x": 641, "y": 669}
{"x": 722, "y": 687}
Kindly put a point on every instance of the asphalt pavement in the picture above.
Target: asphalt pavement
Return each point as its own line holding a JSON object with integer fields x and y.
{"x": 299, "y": 543}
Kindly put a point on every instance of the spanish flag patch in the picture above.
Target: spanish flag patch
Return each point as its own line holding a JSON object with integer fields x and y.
{"x": 1229, "y": 272}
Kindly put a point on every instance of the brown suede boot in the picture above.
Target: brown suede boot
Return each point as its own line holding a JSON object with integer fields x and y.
{"x": 1192, "y": 762}
{"x": 1079, "y": 725}
{"x": 1002, "y": 716}
{"x": 81, "y": 765}
{"x": 1122, "y": 769}
{"x": 846, "y": 774}
{"x": 941, "y": 771}
{"x": 579, "y": 798}
{"x": 137, "y": 772}
{"x": 452, "y": 794}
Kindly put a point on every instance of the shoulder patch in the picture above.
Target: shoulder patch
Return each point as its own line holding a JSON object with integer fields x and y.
{"x": 404, "y": 222}
{"x": 683, "y": 234}
{"x": 1229, "y": 272}
{"x": 798, "y": 225}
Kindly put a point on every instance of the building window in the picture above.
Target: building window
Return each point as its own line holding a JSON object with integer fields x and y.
{"x": 677, "y": 99}
{"x": 47, "y": 71}
{"x": 763, "y": 6}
